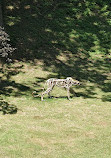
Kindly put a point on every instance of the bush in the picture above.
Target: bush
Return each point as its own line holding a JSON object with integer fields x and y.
{"x": 5, "y": 48}
{"x": 5, "y": 56}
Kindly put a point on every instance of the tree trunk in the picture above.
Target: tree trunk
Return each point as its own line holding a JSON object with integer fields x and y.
{"x": 1, "y": 16}
{"x": 1, "y": 24}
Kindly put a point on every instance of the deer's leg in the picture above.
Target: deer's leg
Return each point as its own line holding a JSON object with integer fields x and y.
{"x": 46, "y": 92}
{"x": 68, "y": 93}
{"x": 50, "y": 91}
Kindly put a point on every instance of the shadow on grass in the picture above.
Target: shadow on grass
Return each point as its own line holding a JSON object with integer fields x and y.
{"x": 95, "y": 73}
{"x": 64, "y": 36}
{"x": 9, "y": 87}
{"x": 6, "y": 108}
{"x": 106, "y": 98}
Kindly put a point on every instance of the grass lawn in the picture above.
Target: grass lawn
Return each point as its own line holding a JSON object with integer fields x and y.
{"x": 57, "y": 39}
{"x": 54, "y": 128}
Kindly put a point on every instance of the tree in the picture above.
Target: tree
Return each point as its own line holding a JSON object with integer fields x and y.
{"x": 5, "y": 53}
{"x": 5, "y": 48}
{"x": 1, "y": 18}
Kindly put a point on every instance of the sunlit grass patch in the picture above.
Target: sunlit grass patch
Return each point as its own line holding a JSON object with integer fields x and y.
{"x": 55, "y": 127}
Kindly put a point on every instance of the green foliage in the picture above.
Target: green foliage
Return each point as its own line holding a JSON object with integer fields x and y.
{"x": 5, "y": 56}
{"x": 5, "y": 48}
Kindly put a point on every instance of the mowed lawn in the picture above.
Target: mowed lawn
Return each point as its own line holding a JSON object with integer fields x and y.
{"x": 56, "y": 127}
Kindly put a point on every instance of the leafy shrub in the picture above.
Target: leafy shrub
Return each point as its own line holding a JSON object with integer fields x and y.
{"x": 5, "y": 48}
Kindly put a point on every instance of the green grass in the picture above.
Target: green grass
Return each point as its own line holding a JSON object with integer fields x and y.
{"x": 56, "y": 127}
{"x": 57, "y": 39}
